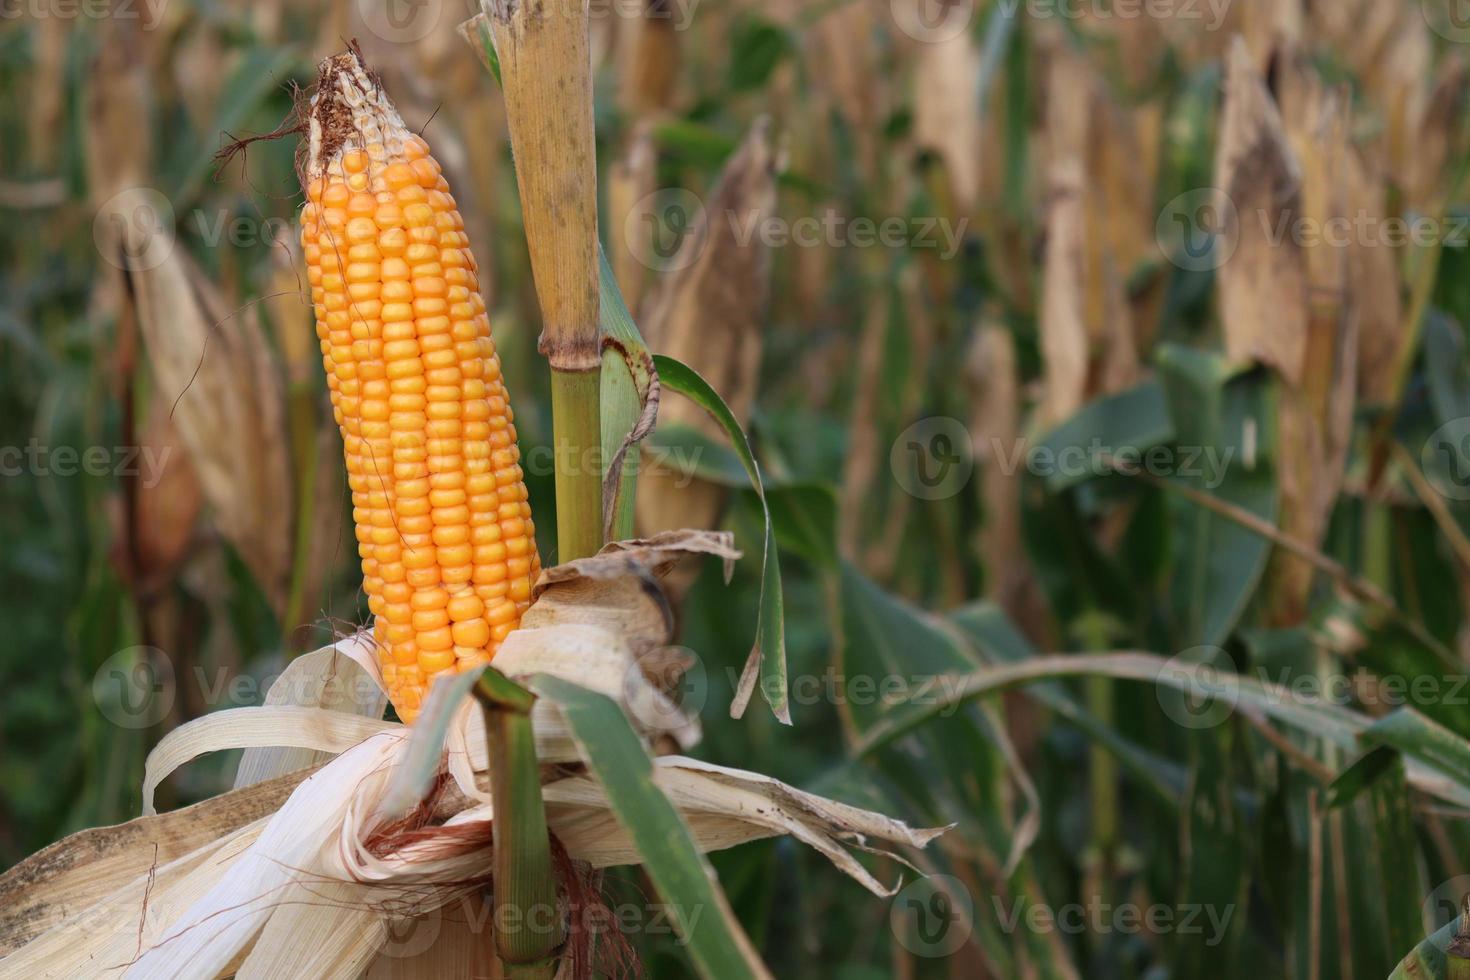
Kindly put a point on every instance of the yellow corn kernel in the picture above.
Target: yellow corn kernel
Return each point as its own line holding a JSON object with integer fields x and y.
{"x": 447, "y": 544}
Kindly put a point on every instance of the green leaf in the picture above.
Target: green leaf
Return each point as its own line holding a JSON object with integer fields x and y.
{"x": 1220, "y": 417}
{"x": 689, "y": 451}
{"x": 805, "y": 518}
{"x": 998, "y": 641}
{"x": 1318, "y": 717}
{"x": 1366, "y": 770}
{"x": 1413, "y": 734}
{"x": 1133, "y": 421}
{"x": 1427, "y": 960}
{"x": 769, "y": 654}
{"x": 684, "y": 879}
{"x": 757, "y": 47}
{"x": 959, "y": 768}
{"x": 1392, "y": 835}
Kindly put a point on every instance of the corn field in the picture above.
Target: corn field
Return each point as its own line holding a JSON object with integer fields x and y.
{"x": 844, "y": 488}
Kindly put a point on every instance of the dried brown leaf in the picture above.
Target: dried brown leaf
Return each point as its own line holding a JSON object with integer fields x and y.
{"x": 708, "y": 312}
{"x": 1262, "y": 286}
{"x": 217, "y": 372}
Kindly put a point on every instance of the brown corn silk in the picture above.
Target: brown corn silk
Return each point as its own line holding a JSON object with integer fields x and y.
{"x": 440, "y": 507}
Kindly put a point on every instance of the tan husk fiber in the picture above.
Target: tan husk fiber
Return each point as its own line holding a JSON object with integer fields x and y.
{"x": 320, "y": 884}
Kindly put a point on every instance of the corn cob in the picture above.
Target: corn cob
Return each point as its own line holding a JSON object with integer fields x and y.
{"x": 440, "y": 508}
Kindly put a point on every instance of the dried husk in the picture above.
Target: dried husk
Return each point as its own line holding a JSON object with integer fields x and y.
{"x": 708, "y": 312}
{"x": 305, "y": 890}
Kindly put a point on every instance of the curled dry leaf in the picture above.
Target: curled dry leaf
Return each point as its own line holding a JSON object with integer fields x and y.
{"x": 152, "y": 542}
{"x": 1286, "y": 302}
{"x": 707, "y": 312}
{"x": 216, "y": 370}
{"x": 331, "y": 868}
{"x": 1263, "y": 286}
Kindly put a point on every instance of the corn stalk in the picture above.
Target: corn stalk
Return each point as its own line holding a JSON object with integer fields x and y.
{"x": 546, "y": 75}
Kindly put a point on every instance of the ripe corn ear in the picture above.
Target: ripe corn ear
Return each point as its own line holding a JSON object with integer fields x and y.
{"x": 440, "y": 508}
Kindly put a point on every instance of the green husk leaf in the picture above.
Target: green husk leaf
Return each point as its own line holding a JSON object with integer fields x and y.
{"x": 768, "y": 657}
{"x": 684, "y": 879}
{"x": 630, "y": 390}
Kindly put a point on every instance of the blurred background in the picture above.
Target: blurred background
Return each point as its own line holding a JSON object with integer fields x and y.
{"x": 1090, "y": 326}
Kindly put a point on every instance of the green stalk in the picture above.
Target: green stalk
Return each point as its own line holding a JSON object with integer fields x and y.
{"x": 576, "y": 420}
{"x": 529, "y": 931}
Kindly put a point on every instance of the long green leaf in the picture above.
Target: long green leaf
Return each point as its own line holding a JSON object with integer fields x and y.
{"x": 768, "y": 658}
{"x": 1217, "y": 411}
{"x": 1413, "y": 734}
{"x": 682, "y": 876}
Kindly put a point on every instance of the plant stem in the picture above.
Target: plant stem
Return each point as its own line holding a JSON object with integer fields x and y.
{"x": 529, "y": 931}
{"x": 546, "y": 77}
{"x": 577, "y": 437}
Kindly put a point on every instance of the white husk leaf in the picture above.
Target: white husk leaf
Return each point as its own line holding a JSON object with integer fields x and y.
{"x": 314, "y": 890}
{"x": 342, "y": 677}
